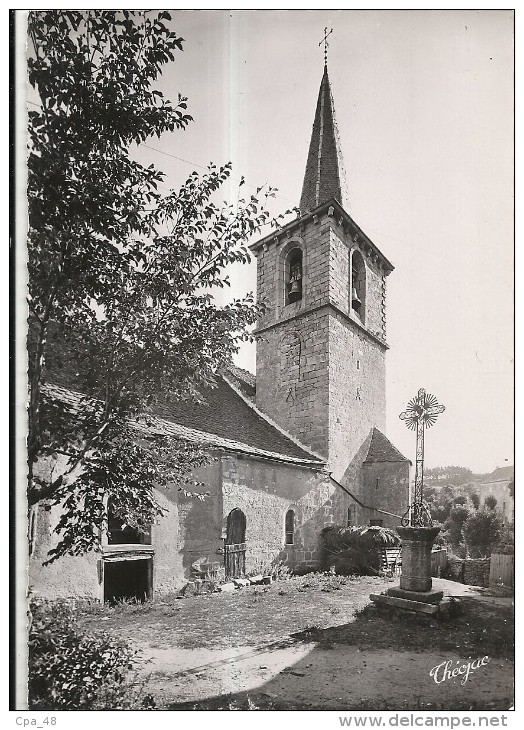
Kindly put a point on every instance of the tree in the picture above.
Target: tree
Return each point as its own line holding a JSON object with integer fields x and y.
{"x": 460, "y": 499}
{"x": 121, "y": 279}
{"x": 457, "y": 517}
{"x": 482, "y": 531}
{"x": 490, "y": 502}
{"x": 475, "y": 499}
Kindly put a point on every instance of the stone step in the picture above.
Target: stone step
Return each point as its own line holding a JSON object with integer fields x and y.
{"x": 420, "y": 596}
{"x": 416, "y": 606}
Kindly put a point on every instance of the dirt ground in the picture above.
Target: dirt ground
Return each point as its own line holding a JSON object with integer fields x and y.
{"x": 307, "y": 644}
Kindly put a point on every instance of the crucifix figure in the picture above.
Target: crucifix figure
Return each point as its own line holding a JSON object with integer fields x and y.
{"x": 326, "y": 44}
{"x": 421, "y": 413}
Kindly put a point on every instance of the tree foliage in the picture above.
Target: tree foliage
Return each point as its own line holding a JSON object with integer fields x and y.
{"x": 490, "y": 502}
{"x": 121, "y": 277}
{"x": 70, "y": 669}
{"x": 482, "y": 531}
{"x": 458, "y": 515}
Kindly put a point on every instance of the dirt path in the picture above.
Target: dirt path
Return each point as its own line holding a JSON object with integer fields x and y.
{"x": 292, "y": 673}
{"x": 311, "y": 642}
{"x": 307, "y": 674}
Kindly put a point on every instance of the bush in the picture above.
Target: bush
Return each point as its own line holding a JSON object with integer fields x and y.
{"x": 73, "y": 670}
{"x": 356, "y": 550}
{"x": 482, "y": 532}
{"x": 458, "y": 515}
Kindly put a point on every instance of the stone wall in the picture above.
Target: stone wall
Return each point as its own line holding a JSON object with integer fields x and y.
{"x": 473, "y": 572}
{"x": 357, "y": 391}
{"x": 476, "y": 572}
{"x": 292, "y": 378}
{"x": 200, "y": 533}
{"x": 320, "y": 370}
{"x": 82, "y": 575}
{"x": 386, "y": 486}
{"x": 66, "y": 577}
{"x": 265, "y": 491}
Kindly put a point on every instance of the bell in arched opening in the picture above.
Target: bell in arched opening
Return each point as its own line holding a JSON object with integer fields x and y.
{"x": 294, "y": 283}
{"x": 358, "y": 285}
{"x": 355, "y": 300}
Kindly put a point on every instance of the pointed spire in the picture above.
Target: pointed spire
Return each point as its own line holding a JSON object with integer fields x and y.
{"x": 325, "y": 176}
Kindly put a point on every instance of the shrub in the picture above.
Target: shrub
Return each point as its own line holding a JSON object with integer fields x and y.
{"x": 458, "y": 515}
{"x": 356, "y": 550}
{"x": 490, "y": 502}
{"x": 70, "y": 669}
{"x": 482, "y": 532}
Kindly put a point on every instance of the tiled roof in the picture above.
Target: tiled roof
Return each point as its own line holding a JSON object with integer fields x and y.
{"x": 381, "y": 449}
{"x": 224, "y": 419}
{"x": 244, "y": 381}
{"x": 227, "y": 414}
{"x": 325, "y": 177}
{"x": 501, "y": 474}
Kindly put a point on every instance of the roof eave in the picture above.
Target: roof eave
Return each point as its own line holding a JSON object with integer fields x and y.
{"x": 357, "y": 232}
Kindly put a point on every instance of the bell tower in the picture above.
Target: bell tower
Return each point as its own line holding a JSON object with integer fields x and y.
{"x": 321, "y": 344}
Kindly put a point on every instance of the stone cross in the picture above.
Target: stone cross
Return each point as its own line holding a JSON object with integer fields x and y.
{"x": 420, "y": 413}
{"x": 325, "y": 42}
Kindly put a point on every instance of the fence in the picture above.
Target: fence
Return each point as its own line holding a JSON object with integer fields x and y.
{"x": 439, "y": 562}
{"x": 502, "y": 572}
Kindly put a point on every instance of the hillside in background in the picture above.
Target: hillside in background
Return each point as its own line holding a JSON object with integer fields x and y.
{"x": 458, "y": 476}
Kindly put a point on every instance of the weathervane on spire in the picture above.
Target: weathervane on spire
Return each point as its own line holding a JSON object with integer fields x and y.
{"x": 326, "y": 44}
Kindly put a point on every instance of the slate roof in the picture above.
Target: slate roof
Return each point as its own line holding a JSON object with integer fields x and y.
{"x": 325, "y": 177}
{"x": 224, "y": 419}
{"x": 225, "y": 413}
{"x": 381, "y": 449}
{"x": 245, "y": 381}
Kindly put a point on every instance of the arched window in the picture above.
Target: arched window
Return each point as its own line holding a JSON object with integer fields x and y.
{"x": 290, "y": 527}
{"x": 294, "y": 276}
{"x": 358, "y": 285}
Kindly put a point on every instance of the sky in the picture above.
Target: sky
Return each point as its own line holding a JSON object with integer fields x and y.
{"x": 424, "y": 106}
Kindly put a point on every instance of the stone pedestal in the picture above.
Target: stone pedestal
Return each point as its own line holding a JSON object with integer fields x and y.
{"x": 416, "y": 557}
{"x": 414, "y": 595}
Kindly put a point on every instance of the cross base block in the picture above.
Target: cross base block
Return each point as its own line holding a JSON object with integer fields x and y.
{"x": 416, "y": 606}
{"x": 421, "y": 596}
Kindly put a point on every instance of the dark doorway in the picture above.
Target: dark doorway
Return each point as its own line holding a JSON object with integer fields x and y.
{"x": 235, "y": 547}
{"x": 127, "y": 580}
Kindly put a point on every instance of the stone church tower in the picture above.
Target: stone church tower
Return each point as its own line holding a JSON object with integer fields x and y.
{"x": 322, "y": 342}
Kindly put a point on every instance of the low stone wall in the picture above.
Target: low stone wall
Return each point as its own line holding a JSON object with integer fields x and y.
{"x": 476, "y": 572}
{"x": 473, "y": 572}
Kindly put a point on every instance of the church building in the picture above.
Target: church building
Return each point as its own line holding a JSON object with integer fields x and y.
{"x": 296, "y": 448}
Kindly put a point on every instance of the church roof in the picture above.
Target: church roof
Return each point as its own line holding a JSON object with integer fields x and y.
{"x": 325, "y": 176}
{"x": 381, "y": 449}
{"x": 227, "y": 414}
{"x": 245, "y": 381}
{"x": 224, "y": 419}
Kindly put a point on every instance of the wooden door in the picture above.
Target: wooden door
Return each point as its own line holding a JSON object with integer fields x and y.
{"x": 235, "y": 547}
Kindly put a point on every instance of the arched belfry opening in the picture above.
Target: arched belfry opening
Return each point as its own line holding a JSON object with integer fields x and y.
{"x": 294, "y": 276}
{"x": 358, "y": 285}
